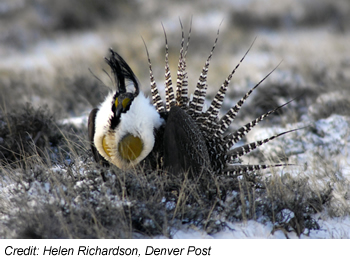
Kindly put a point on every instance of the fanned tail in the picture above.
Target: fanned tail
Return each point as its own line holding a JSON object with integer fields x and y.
{"x": 223, "y": 159}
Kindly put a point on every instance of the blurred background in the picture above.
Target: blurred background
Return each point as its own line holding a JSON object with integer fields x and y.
{"x": 49, "y": 47}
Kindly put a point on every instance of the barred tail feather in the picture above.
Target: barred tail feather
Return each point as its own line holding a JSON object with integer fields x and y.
{"x": 215, "y": 105}
{"x": 237, "y": 170}
{"x": 169, "y": 91}
{"x": 243, "y": 150}
{"x": 184, "y": 87}
{"x": 188, "y": 38}
{"x": 156, "y": 99}
{"x": 196, "y": 105}
{"x": 234, "y": 137}
{"x": 181, "y": 73}
{"x": 227, "y": 119}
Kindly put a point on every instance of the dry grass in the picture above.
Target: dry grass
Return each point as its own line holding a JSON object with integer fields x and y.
{"x": 55, "y": 190}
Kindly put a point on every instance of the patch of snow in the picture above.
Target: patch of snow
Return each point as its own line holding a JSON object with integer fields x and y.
{"x": 76, "y": 121}
{"x": 191, "y": 234}
{"x": 329, "y": 139}
{"x": 329, "y": 228}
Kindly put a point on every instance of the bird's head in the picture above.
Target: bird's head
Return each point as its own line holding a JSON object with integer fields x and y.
{"x": 122, "y": 128}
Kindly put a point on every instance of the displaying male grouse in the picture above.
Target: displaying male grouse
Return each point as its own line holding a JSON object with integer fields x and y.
{"x": 126, "y": 130}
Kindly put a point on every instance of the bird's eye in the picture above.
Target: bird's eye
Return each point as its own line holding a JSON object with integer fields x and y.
{"x": 125, "y": 102}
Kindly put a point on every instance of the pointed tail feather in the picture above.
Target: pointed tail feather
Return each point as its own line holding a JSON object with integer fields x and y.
{"x": 234, "y": 137}
{"x": 196, "y": 105}
{"x": 156, "y": 99}
{"x": 169, "y": 91}
{"x": 181, "y": 81}
{"x": 243, "y": 150}
{"x": 215, "y": 105}
{"x": 184, "y": 88}
{"x": 227, "y": 119}
{"x": 188, "y": 38}
{"x": 236, "y": 170}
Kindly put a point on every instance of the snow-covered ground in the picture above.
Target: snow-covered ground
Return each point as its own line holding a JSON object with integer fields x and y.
{"x": 330, "y": 228}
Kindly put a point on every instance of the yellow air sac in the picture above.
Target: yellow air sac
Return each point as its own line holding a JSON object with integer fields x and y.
{"x": 130, "y": 147}
{"x": 106, "y": 148}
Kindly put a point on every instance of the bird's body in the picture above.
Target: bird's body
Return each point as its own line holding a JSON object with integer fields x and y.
{"x": 127, "y": 130}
